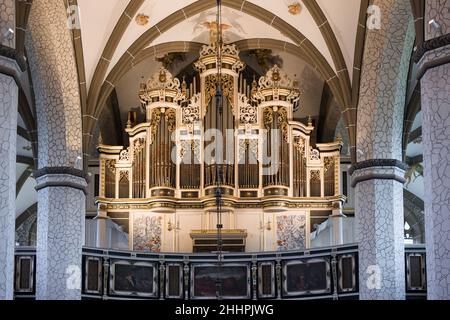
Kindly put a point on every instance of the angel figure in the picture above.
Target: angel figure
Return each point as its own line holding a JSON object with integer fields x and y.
{"x": 214, "y": 30}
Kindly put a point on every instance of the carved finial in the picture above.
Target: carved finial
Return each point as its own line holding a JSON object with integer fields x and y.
{"x": 254, "y": 86}
{"x": 184, "y": 86}
{"x": 310, "y": 121}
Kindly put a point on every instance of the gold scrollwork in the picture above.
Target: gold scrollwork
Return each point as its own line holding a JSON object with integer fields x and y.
{"x": 211, "y": 87}
{"x": 111, "y": 165}
{"x": 283, "y": 120}
{"x": 171, "y": 119}
{"x": 156, "y": 119}
{"x": 299, "y": 145}
{"x": 268, "y": 118}
{"x": 315, "y": 176}
{"x": 328, "y": 163}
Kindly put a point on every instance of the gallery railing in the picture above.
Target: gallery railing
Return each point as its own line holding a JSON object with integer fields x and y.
{"x": 330, "y": 273}
{"x": 415, "y": 272}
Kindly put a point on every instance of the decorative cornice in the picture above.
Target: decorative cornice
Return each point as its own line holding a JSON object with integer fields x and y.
{"x": 373, "y": 163}
{"x": 60, "y": 171}
{"x": 62, "y": 184}
{"x": 378, "y": 176}
{"x": 430, "y": 45}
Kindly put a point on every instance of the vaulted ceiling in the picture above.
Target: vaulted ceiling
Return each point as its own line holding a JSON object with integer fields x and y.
{"x": 325, "y": 35}
{"x": 100, "y": 18}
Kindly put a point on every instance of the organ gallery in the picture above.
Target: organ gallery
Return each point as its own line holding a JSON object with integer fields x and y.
{"x": 242, "y": 141}
{"x": 224, "y": 150}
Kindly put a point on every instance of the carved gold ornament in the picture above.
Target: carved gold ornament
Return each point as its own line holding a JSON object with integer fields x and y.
{"x": 284, "y": 125}
{"x": 211, "y": 87}
{"x": 315, "y": 176}
{"x": 156, "y": 119}
{"x": 248, "y": 114}
{"x": 299, "y": 144}
{"x": 111, "y": 165}
{"x": 139, "y": 145}
{"x": 268, "y": 118}
{"x": 314, "y": 155}
{"x": 328, "y": 162}
{"x": 124, "y": 175}
{"x": 191, "y": 113}
{"x": 171, "y": 119}
{"x": 162, "y": 76}
{"x": 275, "y": 83}
{"x": 125, "y": 155}
{"x": 161, "y": 85}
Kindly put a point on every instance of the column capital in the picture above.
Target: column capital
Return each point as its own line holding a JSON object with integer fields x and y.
{"x": 378, "y": 169}
{"x": 432, "y": 53}
{"x": 67, "y": 177}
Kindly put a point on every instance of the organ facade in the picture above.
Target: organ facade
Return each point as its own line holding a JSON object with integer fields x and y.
{"x": 275, "y": 184}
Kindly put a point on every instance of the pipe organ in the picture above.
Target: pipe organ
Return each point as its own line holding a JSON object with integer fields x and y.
{"x": 273, "y": 179}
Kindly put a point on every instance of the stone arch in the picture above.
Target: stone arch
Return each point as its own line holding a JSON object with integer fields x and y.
{"x": 340, "y": 82}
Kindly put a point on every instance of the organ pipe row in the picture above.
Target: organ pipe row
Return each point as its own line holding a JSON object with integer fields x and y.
{"x": 271, "y": 155}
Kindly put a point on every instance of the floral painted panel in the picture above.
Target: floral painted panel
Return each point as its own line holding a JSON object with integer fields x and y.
{"x": 291, "y": 232}
{"x": 147, "y": 232}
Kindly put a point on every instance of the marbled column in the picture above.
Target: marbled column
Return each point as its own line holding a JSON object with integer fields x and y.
{"x": 8, "y": 138}
{"x": 7, "y": 21}
{"x": 60, "y": 234}
{"x": 60, "y": 182}
{"x": 377, "y": 176}
{"x": 435, "y": 86}
{"x": 379, "y": 232}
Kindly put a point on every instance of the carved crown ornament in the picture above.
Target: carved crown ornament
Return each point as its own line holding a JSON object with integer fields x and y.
{"x": 162, "y": 87}
{"x": 229, "y": 55}
{"x": 248, "y": 113}
{"x": 276, "y": 85}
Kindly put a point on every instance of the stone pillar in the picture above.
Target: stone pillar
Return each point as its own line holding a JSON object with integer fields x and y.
{"x": 434, "y": 69}
{"x": 379, "y": 174}
{"x": 8, "y": 138}
{"x": 379, "y": 229}
{"x": 61, "y": 183}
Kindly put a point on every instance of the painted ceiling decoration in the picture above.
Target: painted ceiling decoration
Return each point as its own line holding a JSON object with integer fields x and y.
{"x": 142, "y": 19}
{"x": 294, "y": 7}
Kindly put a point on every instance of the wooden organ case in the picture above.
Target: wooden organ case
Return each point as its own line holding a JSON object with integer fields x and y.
{"x": 274, "y": 180}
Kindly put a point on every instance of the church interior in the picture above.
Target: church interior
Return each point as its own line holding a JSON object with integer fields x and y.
{"x": 224, "y": 149}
